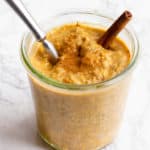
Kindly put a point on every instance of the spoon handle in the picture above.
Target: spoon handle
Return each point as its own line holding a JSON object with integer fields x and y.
{"x": 23, "y": 13}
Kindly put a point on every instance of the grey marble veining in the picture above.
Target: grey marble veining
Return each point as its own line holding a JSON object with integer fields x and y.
{"x": 17, "y": 119}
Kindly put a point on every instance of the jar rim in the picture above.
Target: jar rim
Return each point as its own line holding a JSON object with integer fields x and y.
{"x": 49, "y": 81}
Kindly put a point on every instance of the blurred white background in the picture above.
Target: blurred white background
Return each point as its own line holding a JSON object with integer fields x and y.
{"x": 17, "y": 120}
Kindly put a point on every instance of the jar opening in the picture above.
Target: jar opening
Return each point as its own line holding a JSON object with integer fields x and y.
{"x": 74, "y": 16}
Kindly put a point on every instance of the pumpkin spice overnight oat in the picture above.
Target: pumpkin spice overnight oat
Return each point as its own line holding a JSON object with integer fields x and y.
{"x": 82, "y": 60}
{"x": 79, "y": 101}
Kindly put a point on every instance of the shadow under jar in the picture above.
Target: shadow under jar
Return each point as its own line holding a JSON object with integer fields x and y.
{"x": 79, "y": 117}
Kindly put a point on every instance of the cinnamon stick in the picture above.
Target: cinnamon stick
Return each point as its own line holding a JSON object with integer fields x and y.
{"x": 115, "y": 29}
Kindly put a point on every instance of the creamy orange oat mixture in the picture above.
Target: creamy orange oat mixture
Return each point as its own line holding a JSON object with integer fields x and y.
{"x": 82, "y": 60}
{"x": 79, "y": 120}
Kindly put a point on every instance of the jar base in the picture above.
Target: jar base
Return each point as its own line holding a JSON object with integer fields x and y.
{"x": 54, "y": 147}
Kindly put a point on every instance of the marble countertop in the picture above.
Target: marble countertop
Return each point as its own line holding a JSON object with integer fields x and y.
{"x": 17, "y": 119}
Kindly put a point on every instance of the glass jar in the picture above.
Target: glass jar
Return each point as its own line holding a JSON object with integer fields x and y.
{"x": 79, "y": 117}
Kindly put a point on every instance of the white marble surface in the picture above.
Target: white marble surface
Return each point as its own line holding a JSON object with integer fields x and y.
{"x": 17, "y": 120}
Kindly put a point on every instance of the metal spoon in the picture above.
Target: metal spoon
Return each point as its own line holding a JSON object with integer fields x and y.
{"x": 23, "y": 13}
